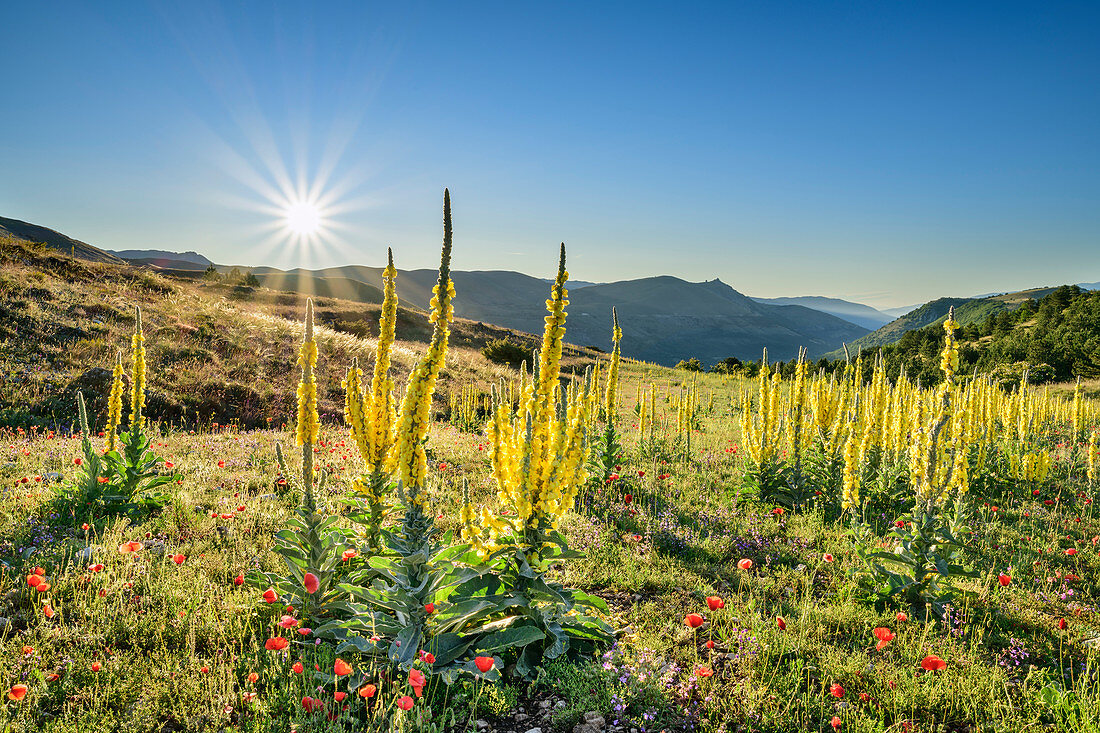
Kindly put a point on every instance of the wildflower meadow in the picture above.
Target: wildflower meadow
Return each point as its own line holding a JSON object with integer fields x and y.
{"x": 584, "y": 543}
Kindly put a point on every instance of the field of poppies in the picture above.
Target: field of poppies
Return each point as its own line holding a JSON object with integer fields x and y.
{"x": 627, "y": 548}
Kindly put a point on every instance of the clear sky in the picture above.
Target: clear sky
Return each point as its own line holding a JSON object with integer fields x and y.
{"x": 883, "y": 152}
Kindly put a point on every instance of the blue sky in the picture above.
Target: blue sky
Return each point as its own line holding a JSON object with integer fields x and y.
{"x": 883, "y": 152}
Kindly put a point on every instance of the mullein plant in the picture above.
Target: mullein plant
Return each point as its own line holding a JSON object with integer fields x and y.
{"x": 409, "y": 606}
{"x": 928, "y": 551}
{"x": 134, "y": 479}
{"x": 312, "y": 545}
{"x": 538, "y": 457}
{"x": 761, "y": 430}
{"x": 607, "y": 453}
{"x": 371, "y": 418}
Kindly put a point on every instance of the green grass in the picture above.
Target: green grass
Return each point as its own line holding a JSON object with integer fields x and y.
{"x": 153, "y": 626}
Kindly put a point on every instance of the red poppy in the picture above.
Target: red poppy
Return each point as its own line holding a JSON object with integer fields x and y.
{"x": 340, "y": 696}
{"x": 288, "y": 622}
{"x": 836, "y": 690}
{"x": 297, "y": 668}
{"x": 744, "y": 563}
{"x": 252, "y": 677}
{"x": 367, "y": 691}
{"x": 827, "y": 557}
{"x": 239, "y": 580}
{"x": 884, "y": 636}
{"x": 835, "y": 722}
{"x": 710, "y": 643}
{"x": 96, "y": 666}
{"x": 28, "y": 650}
{"x": 714, "y": 603}
{"x": 127, "y": 547}
{"x": 178, "y": 559}
{"x": 1062, "y": 624}
{"x": 1071, "y": 551}
{"x": 35, "y": 580}
{"x": 17, "y": 692}
{"x": 276, "y": 644}
{"x": 702, "y": 671}
{"x": 341, "y": 668}
{"x": 405, "y": 702}
{"x": 693, "y": 620}
{"x": 348, "y": 554}
{"x": 484, "y": 663}
{"x": 312, "y": 704}
{"x": 781, "y": 623}
{"x": 778, "y": 511}
{"x": 221, "y": 464}
{"x": 417, "y": 681}
{"x": 627, "y": 498}
{"x": 428, "y": 657}
{"x": 204, "y": 669}
{"x": 902, "y": 617}
{"x": 311, "y": 582}
{"x": 1004, "y": 579}
{"x": 98, "y": 567}
{"x": 269, "y": 595}
{"x": 47, "y": 610}
{"x": 429, "y": 608}
{"x": 932, "y": 663}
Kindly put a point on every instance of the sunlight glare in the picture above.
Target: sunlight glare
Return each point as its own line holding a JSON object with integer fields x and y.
{"x": 303, "y": 218}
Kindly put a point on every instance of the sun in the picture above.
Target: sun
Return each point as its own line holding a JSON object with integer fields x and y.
{"x": 303, "y": 218}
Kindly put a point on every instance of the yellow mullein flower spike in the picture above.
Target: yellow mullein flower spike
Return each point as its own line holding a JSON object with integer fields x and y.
{"x": 114, "y": 403}
{"x": 415, "y": 416}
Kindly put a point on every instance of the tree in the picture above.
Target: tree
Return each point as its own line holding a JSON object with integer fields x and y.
{"x": 691, "y": 365}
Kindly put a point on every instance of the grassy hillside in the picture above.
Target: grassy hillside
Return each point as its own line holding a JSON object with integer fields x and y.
{"x": 1056, "y": 337}
{"x": 217, "y": 351}
{"x": 15, "y": 229}
{"x": 967, "y": 311}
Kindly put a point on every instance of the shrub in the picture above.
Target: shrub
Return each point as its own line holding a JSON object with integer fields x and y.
{"x": 506, "y": 351}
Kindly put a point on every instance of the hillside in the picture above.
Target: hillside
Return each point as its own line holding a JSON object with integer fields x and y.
{"x": 217, "y": 352}
{"x": 1054, "y": 336}
{"x": 22, "y": 230}
{"x": 665, "y": 319}
{"x": 967, "y": 311}
{"x": 857, "y": 313}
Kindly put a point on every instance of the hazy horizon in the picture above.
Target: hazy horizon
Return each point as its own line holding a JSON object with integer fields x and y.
{"x": 884, "y": 155}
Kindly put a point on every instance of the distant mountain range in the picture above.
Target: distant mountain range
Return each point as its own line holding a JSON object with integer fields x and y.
{"x": 857, "y": 313}
{"x": 665, "y": 319}
{"x": 163, "y": 259}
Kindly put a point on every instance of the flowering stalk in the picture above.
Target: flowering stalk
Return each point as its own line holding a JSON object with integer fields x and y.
{"x": 540, "y": 447}
{"x": 137, "y": 378}
{"x": 413, "y": 422}
{"x": 114, "y": 403}
{"x": 309, "y": 424}
{"x": 371, "y": 417}
{"x": 611, "y": 398}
